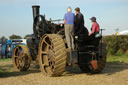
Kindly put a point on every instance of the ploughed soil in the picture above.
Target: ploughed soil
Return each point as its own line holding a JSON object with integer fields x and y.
{"x": 115, "y": 73}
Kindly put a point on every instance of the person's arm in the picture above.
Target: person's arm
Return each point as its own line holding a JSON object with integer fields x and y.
{"x": 82, "y": 19}
{"x": 65, "y": 19}
{"x": 93, "y": 30}
{"x": 77, "y": 21}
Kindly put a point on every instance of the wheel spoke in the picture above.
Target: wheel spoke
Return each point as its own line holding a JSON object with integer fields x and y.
{"x": 17, "y": 64}
{"x": 21, "y": 54}
{"x": 45, "y": 53}
{"x": 21, "y": 62}
{"x": 16, "y": 56}
{"x": 45, "y": 58}
{"x": 50, "y": 47}
{"x": 48, "y": 69}
{"x": 17, "y": 51}
{"x": 52, "y": 58}
{"x": 47, "y": 43}
{"x": 52, "y": 63}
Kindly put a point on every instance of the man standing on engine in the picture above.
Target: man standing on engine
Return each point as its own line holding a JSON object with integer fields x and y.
{"x": 69, "y": 30}
{"x": 78, "y": 21}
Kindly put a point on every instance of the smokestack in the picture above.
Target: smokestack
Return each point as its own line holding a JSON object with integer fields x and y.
{"x": 36, "y": 11}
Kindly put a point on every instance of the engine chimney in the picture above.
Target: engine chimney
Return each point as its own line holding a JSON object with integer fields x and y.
{"x": 36, "y": 11}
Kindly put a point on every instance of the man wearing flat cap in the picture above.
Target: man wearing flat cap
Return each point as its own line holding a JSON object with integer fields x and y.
{"x": 95, "y": 29}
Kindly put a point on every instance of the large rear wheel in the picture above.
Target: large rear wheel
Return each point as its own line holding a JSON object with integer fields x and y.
{"x": 101, "y": 58}
{"x": 52, "y": 55}
{"x": 85, "y": 59}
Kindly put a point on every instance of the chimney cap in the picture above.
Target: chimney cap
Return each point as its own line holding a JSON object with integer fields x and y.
{"x": 35, "y": 6}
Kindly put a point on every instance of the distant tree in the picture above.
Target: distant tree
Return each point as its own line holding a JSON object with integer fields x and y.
{"x": 28, "y": 35}
{"x": 3, "y": 39}
{"x": 15, "y": 37}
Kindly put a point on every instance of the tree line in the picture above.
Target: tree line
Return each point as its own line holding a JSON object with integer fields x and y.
{"x": 13, "y": 36}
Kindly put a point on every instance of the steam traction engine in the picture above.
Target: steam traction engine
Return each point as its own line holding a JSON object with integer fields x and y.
{"x": 47, "y": 45}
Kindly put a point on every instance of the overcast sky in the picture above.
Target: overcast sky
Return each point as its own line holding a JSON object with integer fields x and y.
{"x": 16, "y": 15}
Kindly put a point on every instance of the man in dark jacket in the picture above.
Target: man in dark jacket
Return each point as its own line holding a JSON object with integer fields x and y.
{"x": 79, "y": 20}
{"x": 79, "y": 23}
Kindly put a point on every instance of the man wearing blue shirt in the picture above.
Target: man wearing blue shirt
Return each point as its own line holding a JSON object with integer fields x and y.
{"x": 69, "y": 30}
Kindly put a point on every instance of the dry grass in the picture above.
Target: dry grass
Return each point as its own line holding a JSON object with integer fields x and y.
{"x": 115, "y": 73}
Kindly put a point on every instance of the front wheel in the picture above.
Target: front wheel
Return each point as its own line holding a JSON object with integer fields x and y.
{"x": 21, "y": 57}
